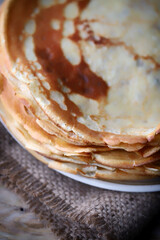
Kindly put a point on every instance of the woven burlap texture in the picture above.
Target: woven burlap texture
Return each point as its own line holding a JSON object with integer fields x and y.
{"x": 72, "y": 209}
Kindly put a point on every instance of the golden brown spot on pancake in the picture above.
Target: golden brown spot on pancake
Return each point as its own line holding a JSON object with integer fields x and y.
{"x": 28, "y": 111}
{"x": 156, "y": 64}
{"x": 80, "y": 79}
{"x": 35, "y": 12}
{"x": 110, "y": 42}
{"x": 114, "y": 43}
{"x": 83, "y": 4}
{"x": 18, "y": 24}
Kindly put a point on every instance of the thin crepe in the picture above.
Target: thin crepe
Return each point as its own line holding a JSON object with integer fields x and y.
{"x": 80, "y": 83}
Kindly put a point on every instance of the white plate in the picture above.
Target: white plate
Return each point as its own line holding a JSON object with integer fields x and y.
{"x": 136, "y": 186}
{"x": 151, "y": 185}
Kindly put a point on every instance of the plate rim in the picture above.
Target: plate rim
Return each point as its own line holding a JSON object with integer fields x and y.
{"x": 108, "y": 185}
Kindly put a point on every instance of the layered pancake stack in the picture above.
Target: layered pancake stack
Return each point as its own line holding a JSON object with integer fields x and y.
{"x": 80, "y": 84}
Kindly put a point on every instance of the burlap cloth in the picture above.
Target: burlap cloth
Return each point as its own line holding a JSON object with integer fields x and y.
{"x": 72, "y": 209}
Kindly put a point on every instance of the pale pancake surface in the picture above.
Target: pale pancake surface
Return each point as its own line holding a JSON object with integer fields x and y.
{"x": 81, "y": 83}
{"x": 92, "y": 66}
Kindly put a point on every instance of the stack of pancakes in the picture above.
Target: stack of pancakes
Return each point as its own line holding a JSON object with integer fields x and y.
{"x": 80, "y": 84}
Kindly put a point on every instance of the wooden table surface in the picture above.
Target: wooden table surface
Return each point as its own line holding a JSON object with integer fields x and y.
{"x": 17, "y": 222}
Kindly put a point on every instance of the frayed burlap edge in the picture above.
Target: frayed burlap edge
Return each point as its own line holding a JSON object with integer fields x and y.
{"x": 41, "y": 201}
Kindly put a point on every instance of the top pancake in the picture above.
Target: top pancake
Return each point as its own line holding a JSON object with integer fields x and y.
{"x": 93, "y": 66}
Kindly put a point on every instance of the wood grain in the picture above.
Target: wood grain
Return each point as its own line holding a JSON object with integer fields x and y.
{"x": 17, "y": 222}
